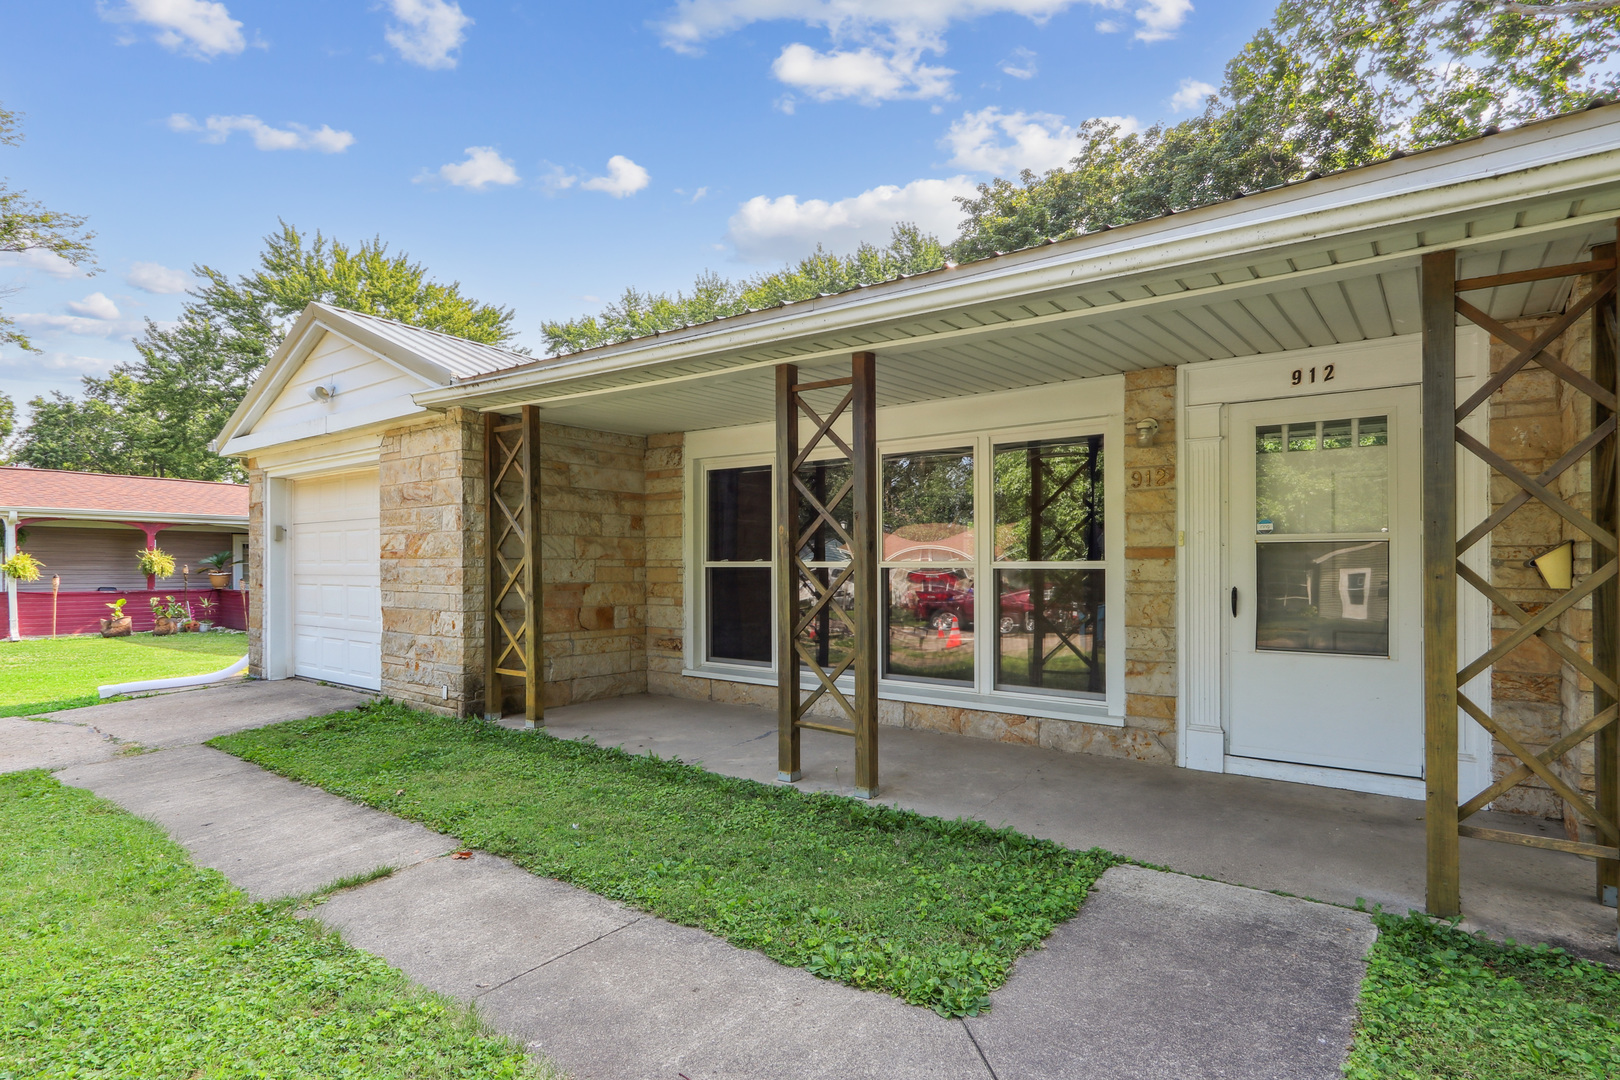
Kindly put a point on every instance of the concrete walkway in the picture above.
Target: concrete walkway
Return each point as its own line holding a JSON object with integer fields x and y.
{"x": 1314, "y": 842}
{"x": 1159, "y": 976}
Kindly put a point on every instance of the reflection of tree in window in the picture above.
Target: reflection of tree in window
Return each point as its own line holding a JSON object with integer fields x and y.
{"x": 1049, "y": 499}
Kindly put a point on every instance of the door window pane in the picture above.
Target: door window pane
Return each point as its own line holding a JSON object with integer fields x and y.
{"x": 1324, "y": 476}
{"x": 930, "y": 630}
{"x": 740, "y": 514}
{"x": 928, "y": 506}
{"x": 1055, "y": 643}
{"x": 1323, "y": 597}
{"x": 825, "y": 479}
{"x": 1049, "y": 501}
{"x": 739, "y": 609}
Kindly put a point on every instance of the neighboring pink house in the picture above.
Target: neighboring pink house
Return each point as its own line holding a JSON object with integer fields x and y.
{"x": 86, "y": 528}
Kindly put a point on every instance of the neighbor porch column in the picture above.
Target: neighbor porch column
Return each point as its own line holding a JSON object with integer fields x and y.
{"x": 14, "y": 631}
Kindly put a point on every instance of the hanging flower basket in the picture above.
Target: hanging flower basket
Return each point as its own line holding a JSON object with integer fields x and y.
{"x": 21, "y": 567}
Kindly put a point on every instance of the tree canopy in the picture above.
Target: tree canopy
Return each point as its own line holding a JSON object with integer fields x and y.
{"x": 27, "y": 225}
{"x": 635, "y": 314}
{"x": 156, "y": 416}
{"x": 1328, "y": 84}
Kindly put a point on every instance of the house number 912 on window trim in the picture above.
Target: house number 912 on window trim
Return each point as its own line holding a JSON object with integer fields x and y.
{"x": 1307, "y": 376}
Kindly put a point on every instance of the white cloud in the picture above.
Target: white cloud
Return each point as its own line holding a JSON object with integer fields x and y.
{"x": 82, "y": 325}
{"x": 95, "y": 306}
{"x": 200, "y": 28}
{"x": 46, "y": 262}
{"x": 216, "y": 129}
{"x": 1004, "y": 144}
{"x": 699, "y": 193}
{"x": 428, "y": 31}
{"x": 156, "y": 278}
{"x": 484, "y": 166}
{"x": 1021, "y": 64}
{"x": 1191, "y": 95}
{"x": 1161, "y": 19}
{"x": 867, "y": 74}
{"x": 65, "y": 362}
{"x": 624, "y": 177}
{"x": 772, "y": 230}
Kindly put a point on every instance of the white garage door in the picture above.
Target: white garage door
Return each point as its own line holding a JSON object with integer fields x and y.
{"x": 337, "y": 603}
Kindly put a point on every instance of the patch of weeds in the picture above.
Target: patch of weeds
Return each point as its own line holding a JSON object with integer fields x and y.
{"x": 121, "y": 958}
{"x": 932, "y": 911}
{"x": 348, "y": 881}
{"x": 1440, "y": 1003}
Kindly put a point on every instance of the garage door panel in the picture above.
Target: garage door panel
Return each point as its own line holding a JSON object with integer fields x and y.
{"x": 337, "y": 588}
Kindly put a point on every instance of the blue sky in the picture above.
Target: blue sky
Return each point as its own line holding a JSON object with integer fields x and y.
{"x": 544, "y": 155}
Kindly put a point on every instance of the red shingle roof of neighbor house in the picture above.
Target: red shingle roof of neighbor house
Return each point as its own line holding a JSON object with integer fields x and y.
{"x": 57, "y": 489}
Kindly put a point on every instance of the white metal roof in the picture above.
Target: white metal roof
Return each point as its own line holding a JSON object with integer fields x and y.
{"x": 457, "y": 357}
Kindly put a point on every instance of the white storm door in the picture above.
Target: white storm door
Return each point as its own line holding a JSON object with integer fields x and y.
{"x": 1324, "y": 562}
{"x": 337, "y": 606}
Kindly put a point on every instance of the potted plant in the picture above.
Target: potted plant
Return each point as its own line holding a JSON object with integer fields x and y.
{"x": 155, "y": 563}
{"x": 205, "y": 614}
{"x": 22, "y": 567}
{"x": 120, "y": 625}
{"x": 219, "y": 569}
{"x": 164, "y": 615}
{"x": 188, "y": 621}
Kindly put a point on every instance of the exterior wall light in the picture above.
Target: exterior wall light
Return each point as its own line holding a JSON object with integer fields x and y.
{"x": 322, "y": 393}
{"x": 1146, "y": 430}
{"x": 1556, "y": 565}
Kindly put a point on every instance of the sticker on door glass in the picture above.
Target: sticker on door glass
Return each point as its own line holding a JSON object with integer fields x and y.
{"x": 1263, "y": 525}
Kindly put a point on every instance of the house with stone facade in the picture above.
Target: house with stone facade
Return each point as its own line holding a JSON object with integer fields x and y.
{"x": 1157, "y": 491}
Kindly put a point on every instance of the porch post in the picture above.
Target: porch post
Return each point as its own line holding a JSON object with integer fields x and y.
{"x": 865, "y": 556}
{"x": 787, "y": 579}
{"x": 1606, "y": 600}
{"x": 1439, "y": 413}
{"x": 13, "y": 631}
{"x": 534, "y": 703}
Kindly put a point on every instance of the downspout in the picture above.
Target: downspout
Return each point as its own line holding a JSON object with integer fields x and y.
{"x": 11, "y": 585}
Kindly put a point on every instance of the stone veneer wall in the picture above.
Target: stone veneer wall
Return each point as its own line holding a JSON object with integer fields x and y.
{"x": 1534, "y": 419}
{"x": 432, "y": 547}
{"x": 594, "y": 558}
{"x": 1149, "y": 565}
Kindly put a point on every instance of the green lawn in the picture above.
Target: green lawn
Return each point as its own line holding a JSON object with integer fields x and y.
{"x": 934, "y": 912}
{"x": 40, "y": 675}
{"x": 120, "y": 958}
{"x": 1438, "y": 1004}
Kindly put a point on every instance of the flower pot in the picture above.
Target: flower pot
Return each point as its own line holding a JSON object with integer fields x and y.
{"x": 219, "y": 581}
{"x": 162, "y": 626}
{"x": 192, "y": 627}
{"x": 119, "y": 627}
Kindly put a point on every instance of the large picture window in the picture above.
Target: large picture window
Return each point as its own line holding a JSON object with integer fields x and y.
{"x": 993, "y": 570}
{"x": 928, "y": 554}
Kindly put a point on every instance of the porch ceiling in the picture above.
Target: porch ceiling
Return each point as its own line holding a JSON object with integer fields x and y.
{"x": 1324, "y": 262}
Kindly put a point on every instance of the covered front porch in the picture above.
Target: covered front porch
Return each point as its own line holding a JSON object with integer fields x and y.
{"x": 1327, "y": 845}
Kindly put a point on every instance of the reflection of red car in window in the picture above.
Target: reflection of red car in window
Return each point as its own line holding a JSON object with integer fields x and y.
{"x": 939, "y": 596}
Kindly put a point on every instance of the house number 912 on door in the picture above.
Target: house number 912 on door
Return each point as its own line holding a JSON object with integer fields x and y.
{"x": 1307, "y": 376}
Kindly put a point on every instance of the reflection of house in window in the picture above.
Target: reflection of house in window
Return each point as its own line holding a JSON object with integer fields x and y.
{"x": 1323, "y": 596}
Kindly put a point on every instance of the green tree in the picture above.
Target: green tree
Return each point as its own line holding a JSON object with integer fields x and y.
{"x": 8, "y": 421}
{"x": 156, "y": 416}
{"x": 1325, "y": 86}
{"x": 27, "y": 225}
{"x": 636, "y": 314}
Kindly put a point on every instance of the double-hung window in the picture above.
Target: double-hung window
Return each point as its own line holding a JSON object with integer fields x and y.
{"x": 737, "y": 566}
{"x": 928, "y": 566}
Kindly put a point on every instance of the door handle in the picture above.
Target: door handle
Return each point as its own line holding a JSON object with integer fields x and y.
{"x": 1234, "y": 601}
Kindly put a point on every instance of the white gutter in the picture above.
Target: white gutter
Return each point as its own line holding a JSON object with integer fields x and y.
{"x": 11, "y": 586}
{"x": 178, "y": 683}
{"x": 118, "y": 517}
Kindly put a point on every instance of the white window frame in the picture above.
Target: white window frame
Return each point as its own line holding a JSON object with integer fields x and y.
{"x": 1067, "y": 410}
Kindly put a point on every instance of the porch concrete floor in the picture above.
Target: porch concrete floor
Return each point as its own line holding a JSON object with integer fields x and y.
{"x": 1320, "y": 843}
